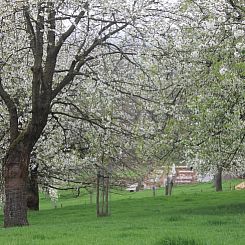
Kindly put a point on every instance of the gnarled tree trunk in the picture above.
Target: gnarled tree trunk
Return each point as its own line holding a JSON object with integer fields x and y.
{"x": 15, "y": 178}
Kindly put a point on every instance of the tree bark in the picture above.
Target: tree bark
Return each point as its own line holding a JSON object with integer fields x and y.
{"x": 103, "y": 196}
{"x": 154, "y": 190}
{"x": 15, "y": 173}
{"x": 98, "y": 195}
{"x": 218, "y": 180}
{"x": 32, "y": 189}
{"x": 15, "y": 177}
{"x": 166, "y": 189}
{"x": 168, "y": 186}
{"x": 107, "y": 196}
{"x": 91, "y": 197}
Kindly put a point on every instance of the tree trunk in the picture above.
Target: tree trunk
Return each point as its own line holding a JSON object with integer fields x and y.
{"x": 218, "y": 180}
{"x": 107, "y": 196}
{"x": 98, "y": 195}
{"x": 103, "y": 196}
{"x": 154, "y": 190}
{"x": 15, "y": 177}
{"x": 33, "y": 194}
{"x": 91, "y": 197}
{"x": 166, "y": 189}
{"x": 170, "y": 187}
{"x": 167, "y": 186}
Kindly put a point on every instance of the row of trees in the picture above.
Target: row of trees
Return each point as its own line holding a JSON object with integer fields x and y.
{"x": 88, "y": 85}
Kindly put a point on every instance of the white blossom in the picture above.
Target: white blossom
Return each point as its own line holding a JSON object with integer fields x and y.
{"x": 223, "y": 70}
{"x": 239, "y": 33}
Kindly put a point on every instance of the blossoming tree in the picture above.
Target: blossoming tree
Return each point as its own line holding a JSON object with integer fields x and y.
{"x": 49, "y": 50}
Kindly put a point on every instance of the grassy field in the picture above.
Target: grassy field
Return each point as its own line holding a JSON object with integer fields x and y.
{"x": 195, "y": 214}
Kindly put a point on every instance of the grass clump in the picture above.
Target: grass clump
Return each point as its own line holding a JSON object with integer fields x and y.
{"x": 178, "y": 241}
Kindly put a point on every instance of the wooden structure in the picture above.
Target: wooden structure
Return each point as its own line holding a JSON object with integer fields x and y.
{"x": 155, "y": 179}
{"x": 158, "y": 177}
{"x": 185, "y": 175}
{"x": 102, "y": 195}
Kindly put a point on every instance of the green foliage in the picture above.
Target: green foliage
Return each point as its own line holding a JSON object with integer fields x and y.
{"x": 185, "y": 5}
{"x": 240, "y": 68}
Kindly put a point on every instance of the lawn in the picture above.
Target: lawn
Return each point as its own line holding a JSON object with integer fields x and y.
{"x": 195, "y": 214}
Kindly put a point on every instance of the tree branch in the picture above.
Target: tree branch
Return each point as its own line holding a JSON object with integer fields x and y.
{"x": 30, "y": 30}
{"x": 66, "y": 34}
{"x": 12, "y": 112}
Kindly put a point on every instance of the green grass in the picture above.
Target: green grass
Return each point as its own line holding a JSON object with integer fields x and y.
{"x": 194, "y": 215}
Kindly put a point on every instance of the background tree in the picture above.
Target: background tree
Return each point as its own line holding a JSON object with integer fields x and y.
{"x": 214, "y": 91}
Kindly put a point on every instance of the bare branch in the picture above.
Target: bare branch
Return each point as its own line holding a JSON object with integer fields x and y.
{"x": 70, "y": 30}
{"x": 12, "y": 112}
{"x": 30, "y": 30}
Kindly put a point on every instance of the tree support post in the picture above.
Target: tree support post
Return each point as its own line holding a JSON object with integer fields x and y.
{"x": 102, "y": 194}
